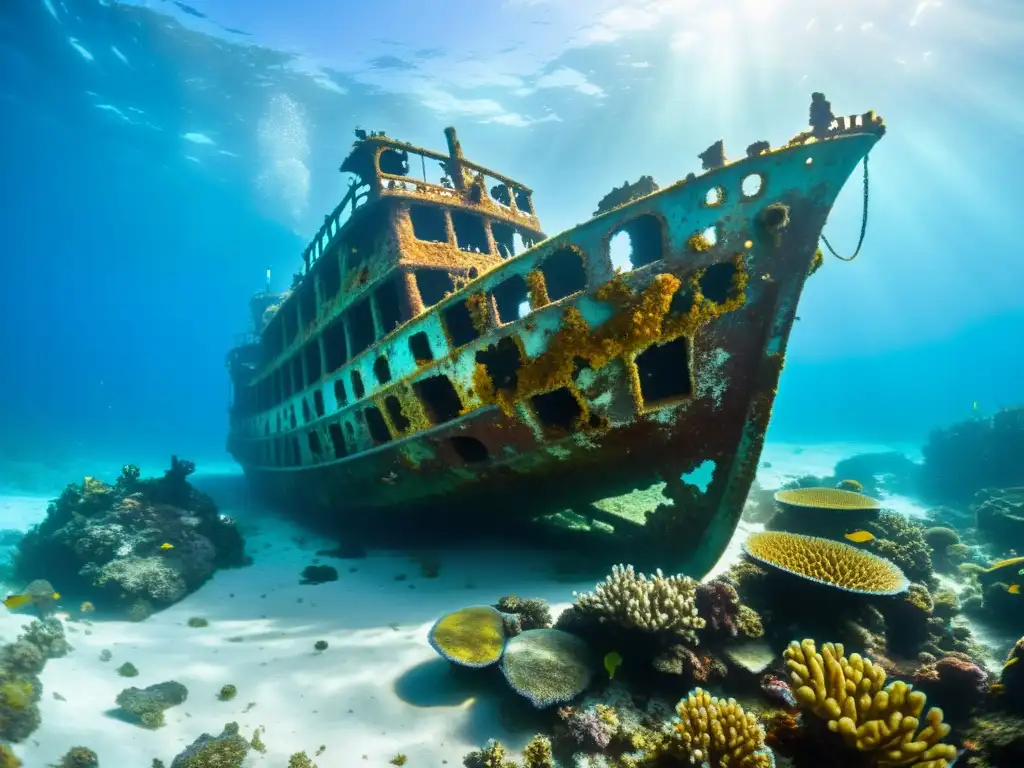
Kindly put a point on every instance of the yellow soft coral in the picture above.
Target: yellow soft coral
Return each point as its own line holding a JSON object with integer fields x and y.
{"x": 851, "y": 696}
{"x": 717, "y": 732}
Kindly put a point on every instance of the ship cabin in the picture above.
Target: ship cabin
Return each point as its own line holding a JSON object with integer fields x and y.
{"x": 414, "y": 226}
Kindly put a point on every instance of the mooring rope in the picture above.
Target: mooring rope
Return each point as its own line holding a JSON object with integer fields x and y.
{"x": 863, "y": 223}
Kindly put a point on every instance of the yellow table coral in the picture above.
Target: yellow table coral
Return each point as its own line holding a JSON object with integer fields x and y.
{"x": 470, "y": 637}
{"x": 872, "y": 717}
{"x": 826, "y": 562}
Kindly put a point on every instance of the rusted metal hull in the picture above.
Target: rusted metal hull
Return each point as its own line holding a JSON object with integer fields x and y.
{"x": 730, "y": 351}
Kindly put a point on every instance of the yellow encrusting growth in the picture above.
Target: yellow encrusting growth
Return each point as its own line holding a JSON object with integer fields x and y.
{"x": 826, "y": 498}
{"x": 717, "y": 732}
{"x": 639, "y": 321}
{"x": 538, "y": 289}
{"x": 874, "y": 718}
{"x": 476, "y": 303}
{"x": 816, "y": 262}
{"x": 827, "y": 562}
{"x": 699, "y": 242}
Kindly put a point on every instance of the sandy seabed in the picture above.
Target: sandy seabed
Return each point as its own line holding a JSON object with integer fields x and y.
{"x": 378, "y": 689}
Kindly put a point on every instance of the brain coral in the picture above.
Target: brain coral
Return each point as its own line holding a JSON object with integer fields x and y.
{"x": 547, "y": 666}
{"x": 470, "y": 637}
{"x": 826, "y": 562}
{"x": 826, "y": 498}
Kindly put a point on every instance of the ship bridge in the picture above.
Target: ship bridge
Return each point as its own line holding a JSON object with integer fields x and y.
{"x": 414, "y": 226}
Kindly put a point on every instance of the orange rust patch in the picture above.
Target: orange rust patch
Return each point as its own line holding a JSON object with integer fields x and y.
{"x": 639, "y": 321}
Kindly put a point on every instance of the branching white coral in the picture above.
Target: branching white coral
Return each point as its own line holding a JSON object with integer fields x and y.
{"x": 655, "y": 604}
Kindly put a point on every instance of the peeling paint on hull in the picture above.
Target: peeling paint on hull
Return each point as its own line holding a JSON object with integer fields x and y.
{"x": 615, "y": 424}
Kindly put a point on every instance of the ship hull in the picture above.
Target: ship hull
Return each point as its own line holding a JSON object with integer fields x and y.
{"x": 701, "y": 441}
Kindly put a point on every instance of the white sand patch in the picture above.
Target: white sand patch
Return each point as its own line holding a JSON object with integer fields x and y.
{"x": 377, "y": 690}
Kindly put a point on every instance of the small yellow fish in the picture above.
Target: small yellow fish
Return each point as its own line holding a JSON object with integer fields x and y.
{"x": 849, "y": 485}
{"x": 14, "y": 602}
{"x": 56, "y": 595}
{"x": 859, "y": 537}
{"x": 87, "y": 607}
{"x": 1013, "y": 589}
{"x": 1011, "y": 662}
{"x": 612, "y": 660}
{"x": 165, "y": 546}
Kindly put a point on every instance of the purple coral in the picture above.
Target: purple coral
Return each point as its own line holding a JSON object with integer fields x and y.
{"x": 955, "y": 682}
{"x": 718, "y": 604}
{"x": 588, "y": 728}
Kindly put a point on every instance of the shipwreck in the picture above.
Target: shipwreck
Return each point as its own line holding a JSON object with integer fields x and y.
{"x": 440, "y": 364}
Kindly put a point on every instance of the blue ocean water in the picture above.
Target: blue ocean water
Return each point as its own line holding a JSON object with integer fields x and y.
{"x": 158, "y": 163}
{"x": 159, "y": 157}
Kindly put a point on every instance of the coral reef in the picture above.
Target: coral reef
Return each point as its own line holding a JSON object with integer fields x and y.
{"x": 134, "y": 546}
{"x": 712, "y": 731}
{"x": 547, "y": 666}
{"x": 826, "y": 562}
{"x": 228, "y": 750}
{"x": 902, "y": 542}
{"x": 947, "y": 551}
{"x": 21, "y": 662}
{"x": 889, "y": 472}
{"x": 1011, "y": 678}
{"x": 850, "y": 694}
{"x": 999, "y": 516}
{"x": 146, "y": 706}
{"x": 470, "y": 637}
{"x": 664, "y": 604}
{"x": 964, "y": 458}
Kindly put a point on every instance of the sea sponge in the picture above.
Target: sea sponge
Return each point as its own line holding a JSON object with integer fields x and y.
{"x": 656, "y": 604}
{"x": 147, "y": 705}
{"x": 228, "y": 750}
{"x": 717, "y": 732}
{"x": 470, "y": 637}
{"x": 826, "y": 562}
{"x": 79, "y": 757}
{"x": 882, "y": 720}
{"x": 826, "y": 498}
{"x": 547, "y": 666}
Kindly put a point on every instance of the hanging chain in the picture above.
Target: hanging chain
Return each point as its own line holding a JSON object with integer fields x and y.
{"x": 863, "y": 222}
